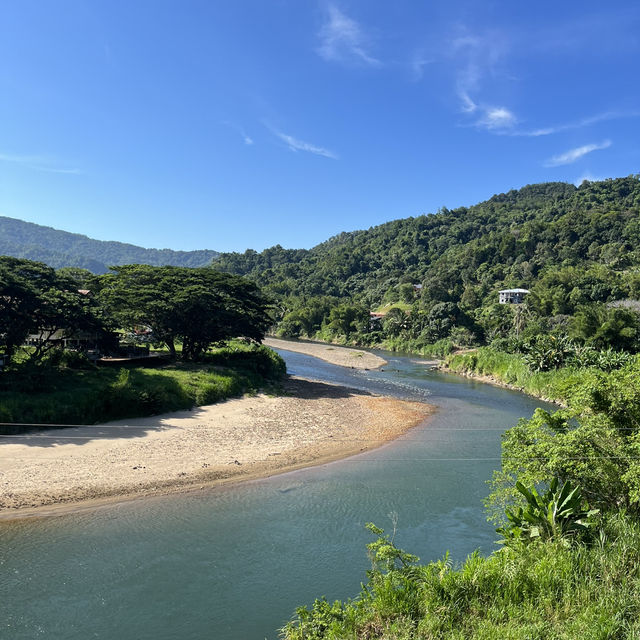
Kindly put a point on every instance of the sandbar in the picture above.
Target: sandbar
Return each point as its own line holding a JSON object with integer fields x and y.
{"x": 257, "y": 436}
{"x": 342, "y": 356}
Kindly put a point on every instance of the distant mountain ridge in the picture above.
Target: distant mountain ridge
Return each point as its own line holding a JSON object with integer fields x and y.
{"x": 63, "y": 249}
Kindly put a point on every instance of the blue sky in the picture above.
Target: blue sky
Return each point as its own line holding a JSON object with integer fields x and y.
{"x": 246, "y": 123}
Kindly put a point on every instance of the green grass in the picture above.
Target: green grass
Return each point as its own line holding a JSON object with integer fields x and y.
{"x": 511, "y": 369}
{"x": 48, "y": 396}
{"x": 543, "y": 591}
{"x": 440, "y": 349}
{"x": 385, "y": 308}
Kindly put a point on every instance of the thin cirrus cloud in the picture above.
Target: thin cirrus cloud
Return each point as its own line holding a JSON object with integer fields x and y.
{"x": 295, "y": 144}
{"x": 418, "y": 64}
{"x": 497, "y": 119}
{"x": 478, "y": 57}
{"x": 37, "y": 163}
{"x": 583, "y": 122}
{"x": 571, "y": 156}
{"x": 342, "y": 39}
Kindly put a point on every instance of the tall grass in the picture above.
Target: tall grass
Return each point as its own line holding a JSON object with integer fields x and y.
{"x": 543, "y": 591}
{"x": 441, "y": 348}
{"x": 510, "y": 368}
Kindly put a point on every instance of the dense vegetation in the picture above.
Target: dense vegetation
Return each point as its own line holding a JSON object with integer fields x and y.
{"x": 36, "y": 301}
{"x": 567, "y": 497}
{"x": 210, "y": 323}
{"x": 62, "y": 249}
{"x": 567, "y": 500}
{"x": 544, "y": 591}
{"x": 198, "y": 307}
{"x": 574, "y": 248}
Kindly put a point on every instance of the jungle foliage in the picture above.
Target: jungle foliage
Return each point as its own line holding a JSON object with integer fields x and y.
{"x": 195, "y": 308}
{"x": 198, "y": 307}
{"x": 567, "y": 502}
{"x": 567, "y": 497}
{"x": 546, "y": 590}
{"x": 37, "y": 301}
{"x": 574, "y": 248}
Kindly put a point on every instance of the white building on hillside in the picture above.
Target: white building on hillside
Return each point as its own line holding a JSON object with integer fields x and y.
{"x": 512, "y": 296}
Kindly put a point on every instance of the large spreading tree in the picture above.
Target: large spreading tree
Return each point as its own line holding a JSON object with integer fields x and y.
{"x": 197, "y": 307}
{"x": 36, "y": 301}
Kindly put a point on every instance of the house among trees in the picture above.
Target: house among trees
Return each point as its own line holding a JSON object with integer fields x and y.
{"x": 512, "y": 296}
{"x": 375, "y": 320}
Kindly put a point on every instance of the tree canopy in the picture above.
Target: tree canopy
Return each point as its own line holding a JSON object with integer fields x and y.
{"x": 572, "y": 247}
{"x": 35, "y": 300}
{"x": 198, "y": 307}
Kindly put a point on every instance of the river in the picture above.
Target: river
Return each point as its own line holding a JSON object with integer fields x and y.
{"x": 232, "y": 563}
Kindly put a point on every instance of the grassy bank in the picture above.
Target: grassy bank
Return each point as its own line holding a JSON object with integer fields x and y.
{"x": 66, "y": 396}
{"x": 439, "y": 349}
{"x": 543, "y": 591}
{"x": 570, "y": 567}
{"x": 510, "y": 369}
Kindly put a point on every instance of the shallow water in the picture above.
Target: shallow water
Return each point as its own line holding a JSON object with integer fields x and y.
{"x": 232, "y": 563}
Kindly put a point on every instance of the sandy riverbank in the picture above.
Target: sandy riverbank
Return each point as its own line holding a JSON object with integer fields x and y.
{"x": 313, "y": 422}
{"x": 342, "y": 356}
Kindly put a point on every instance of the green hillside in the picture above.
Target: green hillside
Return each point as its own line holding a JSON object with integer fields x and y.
{"x": 571, "y": 246}
{"x": 62, "y": 249}
{"x": 509, "y": 239}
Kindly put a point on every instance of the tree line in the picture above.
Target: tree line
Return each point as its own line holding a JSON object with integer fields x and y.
{"x": 574, "y": 248}
{"x": 191, "y": 307}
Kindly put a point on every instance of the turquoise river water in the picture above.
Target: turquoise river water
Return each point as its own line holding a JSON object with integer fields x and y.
{"x": 232, "y": 563}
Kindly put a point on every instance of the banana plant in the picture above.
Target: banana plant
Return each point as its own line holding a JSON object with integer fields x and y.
{"x": 558, "y": 513}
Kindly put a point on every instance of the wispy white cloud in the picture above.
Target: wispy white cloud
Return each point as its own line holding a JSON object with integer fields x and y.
{"x": 296, "y": 144}
{"x": 477, "y": 59}
{"x": 418, "y": 64}
{"x": 497, "y": 119}
{"x": 37, "y": 163}
{"x": 571, "y": 156}
{"x": 342, "y": 39}
{"x": 468, "y": 105}
{"x": 243, "y": 134}
{"x": 583, "y": 122}
{"x": 476, "y": 56}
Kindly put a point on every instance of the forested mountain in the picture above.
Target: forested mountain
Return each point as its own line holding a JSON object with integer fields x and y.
{"x": 62, "y": 249}
{"x": 508, "y": 239}
{"x": 569, "y": 245}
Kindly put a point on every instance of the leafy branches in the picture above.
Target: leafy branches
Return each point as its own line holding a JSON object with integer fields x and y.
{"x": 557, "y": 513}
{"x": 36, "y": 301}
